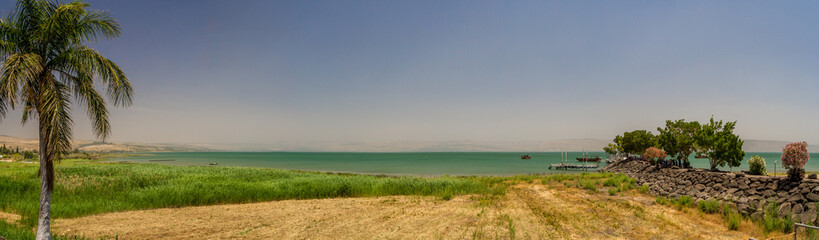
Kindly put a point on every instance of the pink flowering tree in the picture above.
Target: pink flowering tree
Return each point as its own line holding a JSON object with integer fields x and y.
{"x": 653, "y": 154}
{"x": 794, "y": 157}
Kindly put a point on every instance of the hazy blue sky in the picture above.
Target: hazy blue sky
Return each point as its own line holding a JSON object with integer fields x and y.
{"x": 275, "y": 72}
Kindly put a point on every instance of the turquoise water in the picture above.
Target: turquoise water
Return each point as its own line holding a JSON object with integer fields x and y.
{"x": 422, "y": 164}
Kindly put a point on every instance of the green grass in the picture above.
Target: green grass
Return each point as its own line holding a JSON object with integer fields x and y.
{"x": 787, "y": 223}
{"x": 591, "y": 181}
{"x": 684, "y": 201}
{"x": 591, "y": 186}
{"x": 709, "y": 206}
{"x": 83, "y": 189}
{"x": 11, "y": 231}
{"x": 733, "y": 220}
{"x": 662, "y": 201}
{"x": 771, "y": 221}
{"x": 572, "y": 177}
{"x": 611, "y": 182}
{"x": 644, "y": 189}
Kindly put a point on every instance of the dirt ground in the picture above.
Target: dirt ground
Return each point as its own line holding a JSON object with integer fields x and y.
{"x": 528, "y": 211}
{"x": 9, "y": 217}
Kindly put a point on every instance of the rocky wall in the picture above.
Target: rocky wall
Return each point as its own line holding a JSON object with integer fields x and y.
{"x": 748, "y": 193}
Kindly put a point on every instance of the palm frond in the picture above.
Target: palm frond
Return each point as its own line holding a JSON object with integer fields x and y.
{"x": 55, "y": 116}
{"x": 28, "y": 110}
{"x": 85, "y": 92}
{"x": 97, "y": 24}
{"x": 16, "y": 70}
{"x": 9, "y": 36}
{"x": 87, "y": 61}
{"x": 27, "y": 18}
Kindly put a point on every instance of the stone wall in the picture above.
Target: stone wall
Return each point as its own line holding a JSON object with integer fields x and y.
{"x": 748, "y": 193}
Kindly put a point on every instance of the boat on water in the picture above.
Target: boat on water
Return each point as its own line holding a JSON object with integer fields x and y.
{"x": 700, "y": 156}
{"x": 525, "y": 156}
{"x": 587, "y": 158}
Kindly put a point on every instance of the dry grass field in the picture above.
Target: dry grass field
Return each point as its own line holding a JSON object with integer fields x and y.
{"x": 527, "y": 211}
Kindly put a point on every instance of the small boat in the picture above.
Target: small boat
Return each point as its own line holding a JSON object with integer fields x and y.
{"x": 525, "y": 156}
{"x": 213, "y": 164}
{"x": 587, "y": 158}
{"x": 700, "y": 156}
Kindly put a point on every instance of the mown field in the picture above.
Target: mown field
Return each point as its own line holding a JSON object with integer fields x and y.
{"x": 85, "y": 188}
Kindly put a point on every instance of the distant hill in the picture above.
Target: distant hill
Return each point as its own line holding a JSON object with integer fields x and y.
{"x": 28, "y": 144}
{"x": 754, "y": 145}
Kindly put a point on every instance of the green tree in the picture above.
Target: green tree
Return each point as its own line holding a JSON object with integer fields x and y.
{"x": 677, "y": 138}
{"x": 635, "y": 142}
{"x": 46, "y": 63}
{"x": 717, "y": 141}
{"x": 29, "y": 155}
{"x": 612, "y": 148}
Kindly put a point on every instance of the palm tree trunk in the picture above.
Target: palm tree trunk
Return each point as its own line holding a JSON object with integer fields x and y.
{"x": 46, "y": 178}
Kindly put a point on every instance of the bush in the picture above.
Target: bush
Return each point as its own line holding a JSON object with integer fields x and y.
{"x": 794, "y": 156}
{"x": 709, "y": 206}
{"x": 796, "y": 174}
{"x": 30, "y": 155}
{"x": 653, "y": 154}
{"x": 613, "y": 191}
{"x": 757, "y": 165}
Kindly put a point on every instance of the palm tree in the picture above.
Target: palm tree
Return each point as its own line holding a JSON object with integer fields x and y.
{"x": 46, "y": 62}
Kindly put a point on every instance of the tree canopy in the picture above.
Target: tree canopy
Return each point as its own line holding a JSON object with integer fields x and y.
{"x": 634, "y": 142}
{"x": 717, "y": 141}
{"x": 612, "y": 148}
{"x": 677, "y": 138}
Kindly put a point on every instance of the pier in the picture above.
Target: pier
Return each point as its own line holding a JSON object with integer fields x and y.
{"x": 161, "y": 160}
{"x": 569, "y": 166}
{"x": 564, "y": 157}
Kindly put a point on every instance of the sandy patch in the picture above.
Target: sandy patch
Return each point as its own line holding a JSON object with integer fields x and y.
{"x": 9, "y": 217}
